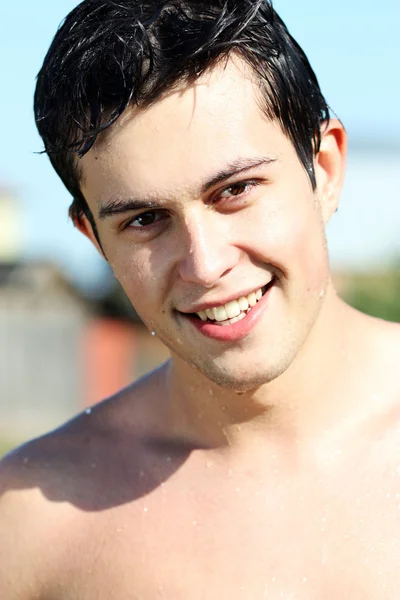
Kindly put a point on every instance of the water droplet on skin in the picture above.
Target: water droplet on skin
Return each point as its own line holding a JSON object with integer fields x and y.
{"x": 153, "y": 333}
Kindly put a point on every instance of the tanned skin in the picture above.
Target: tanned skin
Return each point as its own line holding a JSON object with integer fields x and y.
{"x": 265, "y": 466}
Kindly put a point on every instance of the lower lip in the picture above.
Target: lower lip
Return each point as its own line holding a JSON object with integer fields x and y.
{"x": 237, "y": 331}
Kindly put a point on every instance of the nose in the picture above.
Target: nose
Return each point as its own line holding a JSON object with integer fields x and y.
{"x": 209, "y": 253}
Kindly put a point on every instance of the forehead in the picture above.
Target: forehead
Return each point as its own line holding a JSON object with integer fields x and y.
{"x": 185, "y": 135}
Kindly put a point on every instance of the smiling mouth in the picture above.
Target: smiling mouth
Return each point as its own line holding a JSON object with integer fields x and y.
{"x": 233, "y": 311}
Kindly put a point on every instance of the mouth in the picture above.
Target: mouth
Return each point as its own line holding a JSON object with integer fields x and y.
{"x": 234, "y": 311}
{"x": 233, "y": 320}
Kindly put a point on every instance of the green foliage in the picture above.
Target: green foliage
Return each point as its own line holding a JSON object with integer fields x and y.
{"x": 6, "y": 446}
{"x": 374, "y": 294}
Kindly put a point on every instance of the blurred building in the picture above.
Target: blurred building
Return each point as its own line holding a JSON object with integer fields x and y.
{"x": 41, "y": 318}
{"x": 11, "y": 227}
{"x": 59, "y": 351}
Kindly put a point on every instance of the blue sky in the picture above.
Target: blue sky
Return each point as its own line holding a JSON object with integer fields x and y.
{"x": 352, "y": 45}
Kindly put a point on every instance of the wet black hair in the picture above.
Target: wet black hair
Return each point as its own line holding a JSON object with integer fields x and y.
{"x": 110, "y": 54}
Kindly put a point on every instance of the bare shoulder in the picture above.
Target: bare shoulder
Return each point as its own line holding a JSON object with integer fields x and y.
{"x": 379, "y": 374}
{"x": 385, "y": 342}
{"x": 29, "y": 526}
{"x": 377, "y": 339}
{"x": 33, "y": 520}
{"x": 389, "y": 330}
{"x": 52, "y": 486}
{"x": 88, "y": 450}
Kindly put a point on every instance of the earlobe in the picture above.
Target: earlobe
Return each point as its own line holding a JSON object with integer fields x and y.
{"x": 330, "y": 164}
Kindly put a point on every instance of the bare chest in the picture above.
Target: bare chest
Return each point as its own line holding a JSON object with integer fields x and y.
{"x": 249, "y": 539}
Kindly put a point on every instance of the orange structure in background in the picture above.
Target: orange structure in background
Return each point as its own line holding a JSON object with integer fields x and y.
{"x": 109, "y": 356}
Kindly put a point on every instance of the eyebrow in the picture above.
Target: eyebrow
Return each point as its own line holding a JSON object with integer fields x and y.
{"x": 241, "y": 165}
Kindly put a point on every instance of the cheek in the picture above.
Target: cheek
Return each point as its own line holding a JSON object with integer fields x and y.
{"x": 293, "y": 237}
{"x": 144, "y": 280}
{"x": 308, "y": 251}
{"x": 133, "y": 273}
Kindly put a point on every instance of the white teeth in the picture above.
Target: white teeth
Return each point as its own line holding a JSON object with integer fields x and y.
{"x": 252, "y": 298}
{"x": 232, "y": 309}
{"x": 220, "y": 313}
{"x": 235, "y": 319}
{"x": 243, "y": 304}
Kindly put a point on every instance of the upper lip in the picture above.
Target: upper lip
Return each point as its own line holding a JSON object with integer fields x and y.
{"x": 194, "y": 308}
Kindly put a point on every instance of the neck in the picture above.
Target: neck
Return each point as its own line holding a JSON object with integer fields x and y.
{"x": 303, "y": 402}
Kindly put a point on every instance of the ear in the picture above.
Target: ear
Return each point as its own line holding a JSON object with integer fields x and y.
{"x": 330, "y": 165}
{"x": 84, "y": 225}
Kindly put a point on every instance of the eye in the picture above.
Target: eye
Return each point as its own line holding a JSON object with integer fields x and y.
{"x": 146, "y": 219}
{"x": 241, "y": 188}
{"x": 235, "y": 190}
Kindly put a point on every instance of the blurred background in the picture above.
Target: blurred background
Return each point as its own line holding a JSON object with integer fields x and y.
{"x": 68, "y": 337}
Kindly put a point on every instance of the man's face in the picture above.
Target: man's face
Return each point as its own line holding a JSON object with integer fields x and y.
{"x": 200, "y": 200}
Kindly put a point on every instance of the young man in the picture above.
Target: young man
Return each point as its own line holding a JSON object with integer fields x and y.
{"x": 263, "y": 460}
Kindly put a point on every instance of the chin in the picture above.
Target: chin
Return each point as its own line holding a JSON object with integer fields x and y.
{"x": 243, "y": 379}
